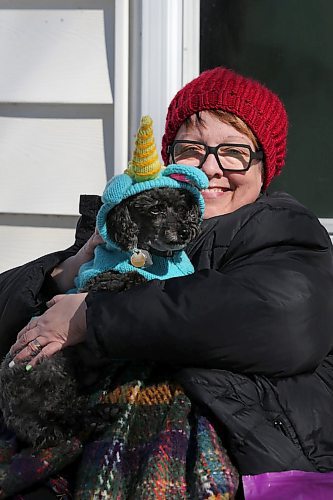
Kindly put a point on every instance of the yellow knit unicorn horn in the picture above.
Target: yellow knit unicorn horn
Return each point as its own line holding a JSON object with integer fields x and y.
{"x": 144, "y": 164}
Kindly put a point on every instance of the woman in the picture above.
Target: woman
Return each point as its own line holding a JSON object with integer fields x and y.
{"x": 249, "y": 334}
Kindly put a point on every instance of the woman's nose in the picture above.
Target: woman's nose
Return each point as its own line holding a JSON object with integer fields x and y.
{"x": 211, "y": 167}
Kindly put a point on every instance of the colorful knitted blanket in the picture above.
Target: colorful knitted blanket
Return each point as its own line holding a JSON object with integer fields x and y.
{"x": 156, "y": 448}
{"x": 153, "y": 446}
{"x": 21, "y": 469}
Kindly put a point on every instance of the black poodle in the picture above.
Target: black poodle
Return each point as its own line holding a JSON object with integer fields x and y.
{"x": 49, "y": 403}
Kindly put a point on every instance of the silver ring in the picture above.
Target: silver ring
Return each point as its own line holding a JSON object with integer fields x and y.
{"x": 35, "y": 346}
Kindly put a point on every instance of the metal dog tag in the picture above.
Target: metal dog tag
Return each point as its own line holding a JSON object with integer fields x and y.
{"x": 141, "y": 258}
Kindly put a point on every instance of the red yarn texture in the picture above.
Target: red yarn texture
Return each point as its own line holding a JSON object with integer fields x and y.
{"x": 257, "y": 106}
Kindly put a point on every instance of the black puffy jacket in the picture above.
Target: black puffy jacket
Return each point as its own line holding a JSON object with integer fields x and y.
{"x": 249, "y": 334}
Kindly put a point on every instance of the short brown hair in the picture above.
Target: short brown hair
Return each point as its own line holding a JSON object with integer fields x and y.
{"x": 237, "y": 123}
{"x": 228, "y": 118}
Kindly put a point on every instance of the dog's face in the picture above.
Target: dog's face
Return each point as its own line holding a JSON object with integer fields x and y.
{"x": 162, "y": 219}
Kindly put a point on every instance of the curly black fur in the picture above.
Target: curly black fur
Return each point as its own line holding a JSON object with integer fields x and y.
{"x": 162, "y": 219}
{"x": 47, "y": 404}
{"x": 35, "y": 404}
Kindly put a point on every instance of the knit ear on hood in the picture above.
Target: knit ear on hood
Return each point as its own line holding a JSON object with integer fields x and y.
{"x": 184, "y": 173}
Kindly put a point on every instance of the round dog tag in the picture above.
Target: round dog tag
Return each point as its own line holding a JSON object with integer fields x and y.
{"x": 138, "y": 259}
{"x": 141, "y": 258}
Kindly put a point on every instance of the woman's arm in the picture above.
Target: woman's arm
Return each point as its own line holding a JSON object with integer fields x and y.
{"x": 23, "y": 292}
{"x": 268, "y": 309}
{"x": 25, "y": 289}
{"x": 86, "y": 239}
{"x": 64, "y": 273}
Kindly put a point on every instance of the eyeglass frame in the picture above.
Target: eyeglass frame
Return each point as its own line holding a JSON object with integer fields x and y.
{"x": 254, "y": 155}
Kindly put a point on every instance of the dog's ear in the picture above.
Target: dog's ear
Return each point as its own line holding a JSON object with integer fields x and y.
{"x": 121, "y": 228}
{"x": 187, "y": 174}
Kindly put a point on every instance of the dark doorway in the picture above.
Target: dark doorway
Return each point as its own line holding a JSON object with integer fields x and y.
{"x": 288, "y": 46}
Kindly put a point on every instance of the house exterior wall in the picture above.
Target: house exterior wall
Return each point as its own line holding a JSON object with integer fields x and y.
{"x": 78, "y": 76}
{"x": 56, "y": 119}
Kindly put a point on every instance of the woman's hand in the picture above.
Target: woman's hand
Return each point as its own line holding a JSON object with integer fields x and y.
{"x": 66, "y": 271}
{"x": 62, "y": 325}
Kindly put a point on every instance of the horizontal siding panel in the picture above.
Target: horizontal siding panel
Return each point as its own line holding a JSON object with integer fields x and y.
{"x": 53, "y": 56}
{"x": 46, "y": 164}
{"x": 23, "y": 244}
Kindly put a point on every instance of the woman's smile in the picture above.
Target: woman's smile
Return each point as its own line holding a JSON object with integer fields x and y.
{"x": 227, "y": 190}
{"x": 214, "y": 192}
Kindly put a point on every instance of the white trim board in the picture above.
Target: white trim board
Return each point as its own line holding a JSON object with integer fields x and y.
{"x": 328, "y": 224}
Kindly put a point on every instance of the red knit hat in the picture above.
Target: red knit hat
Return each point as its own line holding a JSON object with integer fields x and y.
{"x": 258, "y": 107}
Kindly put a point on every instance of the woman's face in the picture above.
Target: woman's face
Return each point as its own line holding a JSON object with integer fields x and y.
{"x": 227, "y": 191}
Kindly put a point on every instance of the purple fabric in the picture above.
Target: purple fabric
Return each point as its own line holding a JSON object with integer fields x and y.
{"x": 293, "y": 484}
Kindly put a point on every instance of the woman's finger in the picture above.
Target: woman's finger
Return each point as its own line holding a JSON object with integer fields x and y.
{"x": 50, "y": 303}
{"x": 63, "y": 323}
{"x": 45, "y": 353}
{"x": 25, "y": 336}
{"x": 55, "y": 300}
{"x": 97, "y": 238}
{"x": 29, "y": 349}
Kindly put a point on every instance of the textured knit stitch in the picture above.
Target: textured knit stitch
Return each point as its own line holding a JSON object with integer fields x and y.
{"x": 144, "y": 452}
{"x": 223, "y": 89}
{"x": 144, "y": 164}
{"x": 117, "y": 260}
{"x": 155, "y": 394}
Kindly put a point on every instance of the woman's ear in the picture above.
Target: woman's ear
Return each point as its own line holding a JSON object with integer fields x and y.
{"x": 121, "y": 228}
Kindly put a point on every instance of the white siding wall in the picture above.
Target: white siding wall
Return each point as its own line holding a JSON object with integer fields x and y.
{"x": 55, "y": 119}
{"x": 76, "y": 77}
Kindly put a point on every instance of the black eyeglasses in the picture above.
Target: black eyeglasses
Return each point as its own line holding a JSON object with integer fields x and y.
{"x": 230, "y": 157}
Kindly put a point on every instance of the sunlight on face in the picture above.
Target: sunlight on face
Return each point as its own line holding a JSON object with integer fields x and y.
{"x": 227, "y": 191}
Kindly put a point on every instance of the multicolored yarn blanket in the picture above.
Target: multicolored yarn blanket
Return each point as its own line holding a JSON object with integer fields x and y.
{"x": 21, "y": 469}
{"x": 156, "y": 447}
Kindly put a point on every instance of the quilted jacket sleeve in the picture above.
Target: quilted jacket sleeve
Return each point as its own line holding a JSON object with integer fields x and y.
{"x": 23, "y": 293}
{"x": 25, "y": 289}
{"x": 266, "y": 309}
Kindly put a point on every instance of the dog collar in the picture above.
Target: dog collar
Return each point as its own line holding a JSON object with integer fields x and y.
{"x": 164, "y": 253}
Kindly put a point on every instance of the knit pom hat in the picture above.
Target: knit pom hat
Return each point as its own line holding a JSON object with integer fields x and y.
{"x": 223, "y": 89}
